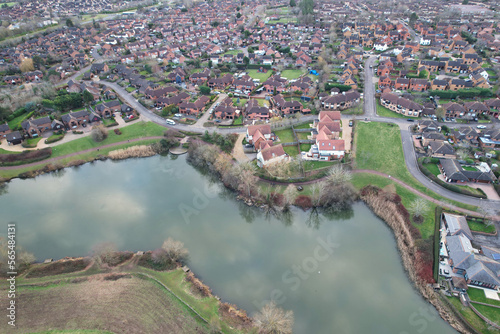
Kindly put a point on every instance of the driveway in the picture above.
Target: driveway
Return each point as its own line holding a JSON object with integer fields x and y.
{"x": 204, "y": 118}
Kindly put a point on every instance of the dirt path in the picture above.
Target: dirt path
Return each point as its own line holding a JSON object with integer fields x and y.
{"x": 238, "y": 152}
{"x": 78, "y": 153}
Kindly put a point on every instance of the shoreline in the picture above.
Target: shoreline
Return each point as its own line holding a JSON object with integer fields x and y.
{"x": 404, "y": 243}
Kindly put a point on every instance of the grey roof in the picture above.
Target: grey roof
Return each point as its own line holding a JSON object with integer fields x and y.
{"x": 13, "y": 136}
{"x": 460, "y": 251}
{"x": 482, "y": 271}
{"x": 4, "y": 127}
{"x": 457, "y": 225}
{"x": 441, "y": 148}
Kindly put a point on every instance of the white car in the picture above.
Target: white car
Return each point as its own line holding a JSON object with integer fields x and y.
{"x": 169, "y": 121}
{"x": 178, "y": 115}
{"x": 481, "y": 126}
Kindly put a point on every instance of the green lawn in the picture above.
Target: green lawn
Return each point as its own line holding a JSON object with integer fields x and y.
{"x": 108, "y": 122}
{"x": 471, "y": 317}
{"x": 305, "y": 147}
{"x": 241, "y": 104}
{"x": 379, "y": 147}
{"x": 384, "y": 112}
{"x": 470, "y": 168}
{"x": 2, "y": 151}
{"x": 303, "y": 135}
{"x": 136, "y": 130}
{"x": 130, "y": 89}
{"x": 31, "y": 142}
{"x": 238, "y": 121}
{"x": 478, "y": 295}
{"x": 310, "y": 165}
{"x": 489, "y": 312}
{"x": 433, "y": 168}
{"x": 303, "y": 126}
{"x": 283, "y": 20}
{"x": 255, "y": 74}
{"x": 285, "y": 136}
{"x": 292, "y": 74}
{"x": 291, "y": 150}
{"x": 233, "y": 52}
{"x": 16, "y": 122}
{"x": 480, "y": 227}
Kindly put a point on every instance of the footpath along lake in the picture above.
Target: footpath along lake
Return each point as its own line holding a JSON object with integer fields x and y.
{"x": 339, "y": 274}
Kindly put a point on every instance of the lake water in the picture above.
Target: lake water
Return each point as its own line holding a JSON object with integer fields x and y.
{"x": 339, "y": 274}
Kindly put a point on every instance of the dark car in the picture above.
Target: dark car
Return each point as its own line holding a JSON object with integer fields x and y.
{"x": 410, "y": 120}
{"x": 299, "y": 188}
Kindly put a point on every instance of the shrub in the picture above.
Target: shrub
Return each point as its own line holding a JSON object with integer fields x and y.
{"x": 25, "y": 157}
{"x": 117, "y": 131}
{"x": 132, "y": 152}
{"x": 303, "y": 202}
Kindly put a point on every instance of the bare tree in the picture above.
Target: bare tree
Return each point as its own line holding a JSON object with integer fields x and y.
{"x": 419, "y": 208}
{"x": 317, "y": 193}
{"x": 248, "y": 180}
{"x": 175, "y": 250}
{"x": 99, "y": 133}
{"x": 289, "y": 196}
{"x": 338, "y": 175}
{"x": 25, "y": 258}
{"x": 26, "y": 65}
{"x": 274, "y": 320}
{"x": 103, "y": 252}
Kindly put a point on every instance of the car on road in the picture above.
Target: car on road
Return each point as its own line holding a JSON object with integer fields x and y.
{"x": 217, "y": 121}
{"x": 481, "y": 126}
{"x": 410, "y": 120}
{"x": 371, "y": 66}
{"x": 178, "y": 115}
{"x": 351, "y": 123}
{"x": 169, "y": 121}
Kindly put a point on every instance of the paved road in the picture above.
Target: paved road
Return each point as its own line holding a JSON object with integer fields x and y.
{"x": 369, "y": 92}
{"x": 204, "y": 118}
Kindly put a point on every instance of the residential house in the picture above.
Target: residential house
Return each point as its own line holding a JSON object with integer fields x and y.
{"x": 441, "y": 149}
{"x": 400, "y": 105}
{"x": 257, "y": 133}
{"x": 76, "y": 119}
{"x": 36, "y": 127}
{"x": 4, "y": 130}
{"x": 14, "y": 138}
{"x": 453, "y": 172}
{"x": 253, "y": 111}
{"x": 270, "y": 155}
{"x": 341, "y": 101}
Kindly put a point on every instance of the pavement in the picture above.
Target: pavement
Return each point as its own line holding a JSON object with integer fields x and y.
{"x": 204, "y": 118}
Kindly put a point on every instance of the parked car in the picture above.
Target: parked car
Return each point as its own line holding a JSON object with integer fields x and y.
{"x": 178, "y": 115}
{"x": 169, "y": 121}
{"x": 351, "y": 123}
{"x": 410, "y": 120}
{"x": 481, "y": 126}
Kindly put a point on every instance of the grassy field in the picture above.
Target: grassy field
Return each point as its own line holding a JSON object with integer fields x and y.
{"x": 136, "y": 130}
{"x": 378, "y": 147}
{"x": 126, "y": 304}
{"x": 238, "y": 121}
{"x": 471, "y": 317}
{"x": 291, "y": 74}
{"x": 480, "y": 227}
{"x": 285, "y": 136}
{"x": 303, "y": 126}
{"x": 426, "y": 228}
{"x": 31, "y": 142}
{"x": 478, "y": 295}
{"x": 291, "y": 150}
{"x": 255, "y": 74}
{"x": 385, "y": 112}
{"x": 233, "y": 52}
{"x": 303, "y": 135}
{"x": 310, "y": 165}
{"x": 2, "y": 151}
{"x": 130, "y": 302}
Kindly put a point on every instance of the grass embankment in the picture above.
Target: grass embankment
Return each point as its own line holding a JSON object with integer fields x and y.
{"x": 479, "y": 226}
{"x": 385, "y": 112}
{"x": 478, "y": 295}
{"x": 137, "y": 130}
{"x": 379, "y": 148}
{"x": 471, "y": 317}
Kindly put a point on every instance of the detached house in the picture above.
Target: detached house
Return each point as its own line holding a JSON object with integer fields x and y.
{"x": 36, "y": 127}
{"x": 400, "y": 105}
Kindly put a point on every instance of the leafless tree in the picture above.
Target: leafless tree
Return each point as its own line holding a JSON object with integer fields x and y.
{"x": 419, "y": 208}
{"x": 99, "y": 133}
{"x": 175, "y": 250}
{"x": 274, "y": 320}
{"x": 338, "y": 175}
{"x": 103, "y": 252}
{"x": 289, "y": 196}
{"x": 248, "y": 180}
{"x": 317, "y": 193}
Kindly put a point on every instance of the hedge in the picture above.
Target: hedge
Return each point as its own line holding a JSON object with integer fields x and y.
{"x": 343, "y": 88}
{"x": 16, "y": 113}
{"x": 437, "y": 237}
{"x": 25, "y": 157}
{"x": 462, "y": 93}
{"x": 448, "y": 186}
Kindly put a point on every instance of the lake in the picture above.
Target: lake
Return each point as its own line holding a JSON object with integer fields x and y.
{"x": 338, "y": 273}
